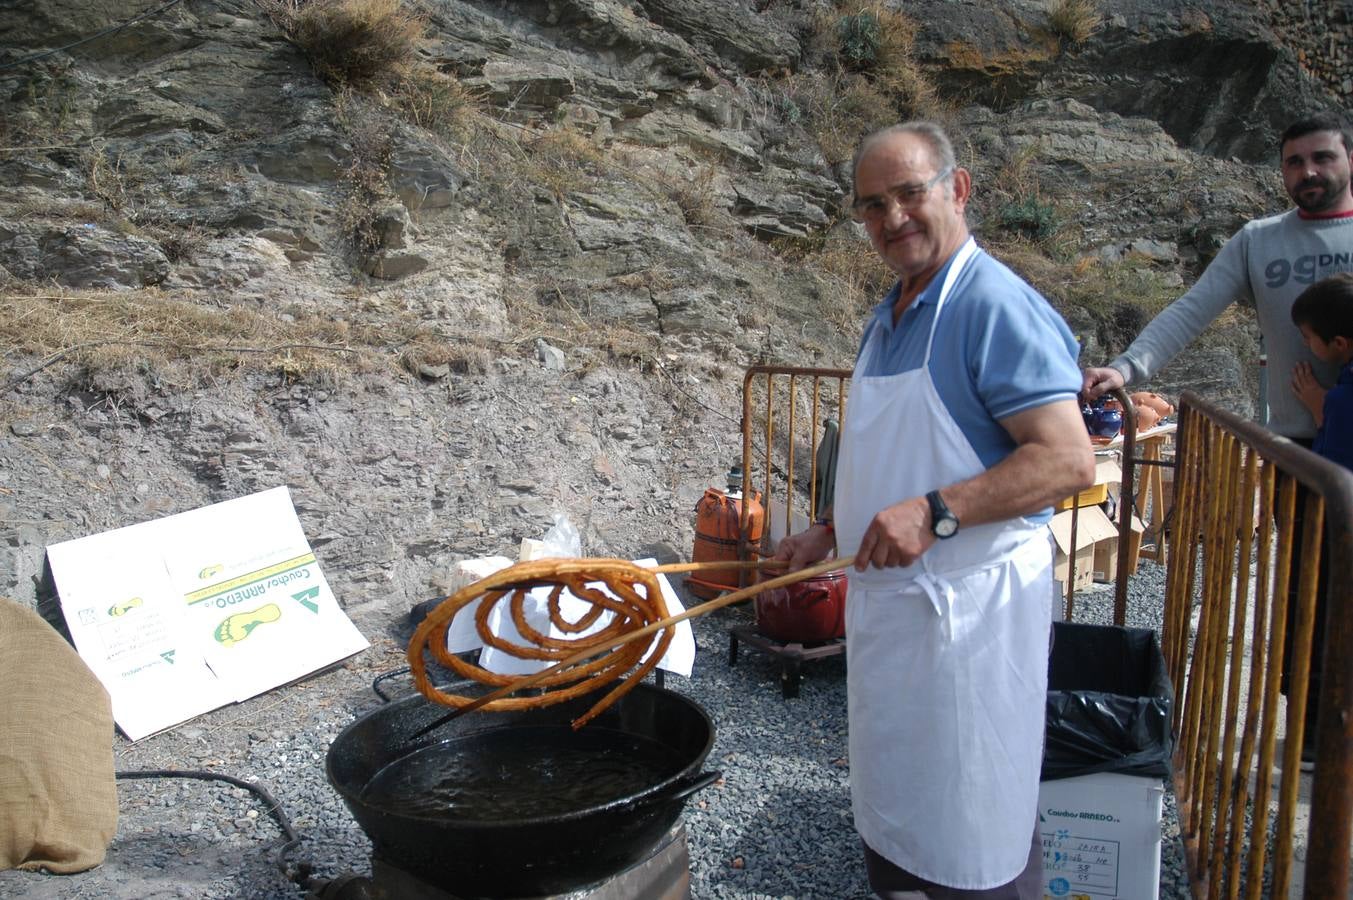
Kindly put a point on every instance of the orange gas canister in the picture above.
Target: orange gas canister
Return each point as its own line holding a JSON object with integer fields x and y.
{"x": 718, "y": 523}
{"x": 810, "y": 610}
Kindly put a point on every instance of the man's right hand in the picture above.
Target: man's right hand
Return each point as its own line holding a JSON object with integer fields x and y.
{"x": 1100, "y": 381}
{"x": 806, "y": 547}
{"x": 1309, "y": 391}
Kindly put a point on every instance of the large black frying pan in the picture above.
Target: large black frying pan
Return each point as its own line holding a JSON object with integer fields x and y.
{"x": 521, "y": 857}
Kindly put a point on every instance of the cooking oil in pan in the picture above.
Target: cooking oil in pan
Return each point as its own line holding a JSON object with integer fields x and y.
{"x": 513, "y": 774}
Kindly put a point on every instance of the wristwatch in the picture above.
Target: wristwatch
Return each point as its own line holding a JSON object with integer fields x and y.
{"x": 943, "y": 523}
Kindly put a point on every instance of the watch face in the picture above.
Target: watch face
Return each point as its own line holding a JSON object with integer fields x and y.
{"x": 946, "y": 527}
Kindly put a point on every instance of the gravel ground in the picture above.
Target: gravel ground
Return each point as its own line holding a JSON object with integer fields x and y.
{"x": 778, "y": 825}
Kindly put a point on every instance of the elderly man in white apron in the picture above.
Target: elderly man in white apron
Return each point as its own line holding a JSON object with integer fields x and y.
{"x": 961, "y": 430}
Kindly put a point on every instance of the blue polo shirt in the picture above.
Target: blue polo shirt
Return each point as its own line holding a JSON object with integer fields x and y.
{"x": 1000, "y": 348}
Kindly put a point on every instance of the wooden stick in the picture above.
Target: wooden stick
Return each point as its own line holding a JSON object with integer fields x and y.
{"x": 718, "y": 564}
{"x": 527, "y": 681}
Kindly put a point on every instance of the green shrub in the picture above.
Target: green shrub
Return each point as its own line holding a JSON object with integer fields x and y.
{"x": 1029, "y": 216}
{"x": 871, "y": 79}
{"x": 860, "y": 38}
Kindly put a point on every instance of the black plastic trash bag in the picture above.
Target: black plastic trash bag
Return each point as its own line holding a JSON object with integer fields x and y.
{"x": 1109, "y": 703}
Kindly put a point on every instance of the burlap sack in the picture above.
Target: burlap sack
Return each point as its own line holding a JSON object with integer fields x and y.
{"x": 58, "y": 796}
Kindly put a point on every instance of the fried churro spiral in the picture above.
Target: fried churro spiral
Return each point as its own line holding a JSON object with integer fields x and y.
{"x": 634, "y": 597}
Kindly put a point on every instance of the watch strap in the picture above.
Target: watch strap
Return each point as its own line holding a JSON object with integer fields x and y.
{"x": 940, "y": 512}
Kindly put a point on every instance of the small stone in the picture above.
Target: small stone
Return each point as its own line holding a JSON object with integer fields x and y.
{"x": 551, "y": 357}
{"x": 25, "y": 429}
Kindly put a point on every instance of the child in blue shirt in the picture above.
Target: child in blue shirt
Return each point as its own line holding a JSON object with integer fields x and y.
{"x": 1324, "y": 314}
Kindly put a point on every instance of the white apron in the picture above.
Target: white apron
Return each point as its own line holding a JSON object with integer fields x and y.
{"x": 948, "y": 657}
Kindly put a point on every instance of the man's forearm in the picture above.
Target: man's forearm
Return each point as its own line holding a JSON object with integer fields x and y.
{"x": 1223, "y": 282}
{"x": 1030, "y": 479}
{"x": 1052, "y": 460}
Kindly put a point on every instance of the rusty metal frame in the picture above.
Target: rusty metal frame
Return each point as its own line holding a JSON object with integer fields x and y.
{"x": 1127, "y": 500}
{"x": 1235, "y": 497}
{"x": 1127, "y": 493}
{"x": 1125, "y": 511}
{"x": 769, "y": 374}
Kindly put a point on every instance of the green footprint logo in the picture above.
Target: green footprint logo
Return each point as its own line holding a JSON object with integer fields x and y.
{"x": 236, "y": 628}
{"x": 126, "y": 606}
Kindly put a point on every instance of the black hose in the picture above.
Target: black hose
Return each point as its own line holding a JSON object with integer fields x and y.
{"x": 380, "y": 679}
{"x": 302, "y": 874}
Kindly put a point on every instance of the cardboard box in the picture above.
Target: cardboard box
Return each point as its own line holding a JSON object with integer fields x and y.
{"x": 1101, "y": 837}
{"x": 1107, "y": 472}
{"x": 1108, "y": 557}
{"x": 1092, "y": 526}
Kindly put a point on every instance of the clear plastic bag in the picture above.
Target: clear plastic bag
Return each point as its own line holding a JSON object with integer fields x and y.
{"x": 563, "y": 538}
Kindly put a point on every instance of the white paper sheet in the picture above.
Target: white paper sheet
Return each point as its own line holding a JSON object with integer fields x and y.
{"x": 184, "y": 614}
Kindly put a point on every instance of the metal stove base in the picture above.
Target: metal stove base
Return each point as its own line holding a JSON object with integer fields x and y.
{"x": 790, "y": 653}
{"x": 664, "y": 875}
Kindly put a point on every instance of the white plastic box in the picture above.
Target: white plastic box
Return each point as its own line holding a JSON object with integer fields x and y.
{"x": 1101, "y": 837}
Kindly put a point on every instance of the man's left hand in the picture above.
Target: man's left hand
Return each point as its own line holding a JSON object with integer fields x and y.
{"x": 897, "y": 536}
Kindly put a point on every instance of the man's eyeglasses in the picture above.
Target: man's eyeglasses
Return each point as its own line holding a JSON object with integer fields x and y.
{"x": 908, "y": 196}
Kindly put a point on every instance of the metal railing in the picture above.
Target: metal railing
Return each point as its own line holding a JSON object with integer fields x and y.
{"x": 784, "y": 391}
{"x": 1127, "y": 505}
{"x": 1233, "y": 558}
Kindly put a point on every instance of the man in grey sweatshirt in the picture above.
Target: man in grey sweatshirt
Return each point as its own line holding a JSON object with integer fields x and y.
{"x": 1268, "y": 263}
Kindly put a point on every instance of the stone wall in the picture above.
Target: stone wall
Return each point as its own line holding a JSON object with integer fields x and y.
{"x": 1320, "y": 32}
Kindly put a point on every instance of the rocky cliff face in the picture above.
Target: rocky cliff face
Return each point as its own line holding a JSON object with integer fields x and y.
{"x": 525, "y": 275}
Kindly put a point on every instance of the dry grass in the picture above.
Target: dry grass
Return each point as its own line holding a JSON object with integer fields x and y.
{"x": 859, "y": 279}
{"x": 558, "y": 310}
{"x": 1015, "y": 61}
{"x": 870, "y": 38}
{"x": 1104, "y": 289}
{"x": 426, "y": 349}
{"x": 116, "y": 181}
{"x": 1074, "y": 21}
{"x": 697, "y": 196}
{"x": 351, "y": 41}
{"x": 869, "y": 79}
{"x": 44, "y": 107}
{"x": 866, "y": 36}
{"x": 151, "y": 334}
{"x": 364, "y": 183}
{"x": 432, "y": 100}
{"x": 561, "y": 159}
{"x": 839, "y": 110}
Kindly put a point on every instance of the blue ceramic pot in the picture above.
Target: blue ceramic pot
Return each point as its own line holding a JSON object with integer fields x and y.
{"x": 1101, "y": 421}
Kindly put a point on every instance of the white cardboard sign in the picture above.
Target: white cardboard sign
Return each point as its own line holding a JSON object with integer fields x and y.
{"x": 185, "y": 614}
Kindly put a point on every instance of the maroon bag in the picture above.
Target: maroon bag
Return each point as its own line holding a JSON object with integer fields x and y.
{"x": 811, "y": 610}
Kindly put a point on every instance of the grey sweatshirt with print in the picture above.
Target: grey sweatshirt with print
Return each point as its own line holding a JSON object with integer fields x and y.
{"x": 1268, "y": 263}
